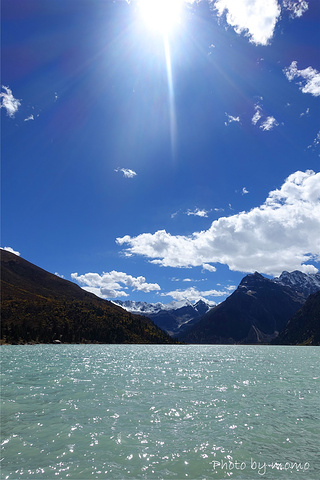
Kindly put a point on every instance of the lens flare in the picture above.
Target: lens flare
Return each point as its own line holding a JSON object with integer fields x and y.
{"x": 161, "y": 15}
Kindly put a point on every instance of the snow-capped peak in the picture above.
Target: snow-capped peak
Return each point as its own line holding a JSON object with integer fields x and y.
{"x": 303, "y": 283}
{"x": 145, "y": 308}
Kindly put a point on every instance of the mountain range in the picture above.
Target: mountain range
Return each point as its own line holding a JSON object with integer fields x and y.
{"x": 302, "y": 283}
{"x": 256, "y": 312}
{"x": 39, "y": 307}
{"x": 173, "y": 317}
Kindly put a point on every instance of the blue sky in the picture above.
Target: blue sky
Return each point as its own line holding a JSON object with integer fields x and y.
{"x": 149, "y": 163}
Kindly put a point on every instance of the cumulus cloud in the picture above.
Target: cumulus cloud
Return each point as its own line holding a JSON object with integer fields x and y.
{"x": 296, "y": 7}
{"x": 58, "y": 275}
{"x": 281, "y": 234}
{"x": 8, "y": 101}
{"x": 108, "y": 285}
{"x": 9, "y": 249}
{"x": 310, "y": 78}
{"x": 269, "y": 124}
{"x": 197, "y": 212}
{"x": 210, "y": 268}
{"x": 127, "y": 173}
{"x": 255, "y": 18}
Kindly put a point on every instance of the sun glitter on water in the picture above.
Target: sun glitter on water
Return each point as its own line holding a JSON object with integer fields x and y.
{"x": 161, "y": 15}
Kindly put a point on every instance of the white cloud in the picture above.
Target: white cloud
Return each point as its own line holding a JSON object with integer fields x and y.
{"x": 305, "y": 113}
{"x": 257, "y": 116}
{"x": 192, "y": 294}
{"x": 108, "y": 285}
{"x": 8, "y": 101}
{"x": 210, "y": 268}
{"x": 174, "y": 214}
{"x": 58, "y": 275}
{"x": 127, "y": 173}
{"x": 281, "y": 234}
{"x": 316, "y": 141}
{"x": 269, "y": 124}
{"x": 9, "y": 249}
{"x": 198, "y": 213}
{"x": 244, "y": 191}
{"x": 211, "y": 47}
{"x": 231, "y": 118}
{"x": 31, "y": 117}
{"x": 310, "y": 76}
{"x": 255, "y": 18}
{"x": 296, "y": 7}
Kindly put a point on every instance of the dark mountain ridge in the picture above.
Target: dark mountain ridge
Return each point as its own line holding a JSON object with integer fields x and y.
{"x": 38, "y": 306}
{"x": 254, "y": 313}
{"x": 304, "y": 327}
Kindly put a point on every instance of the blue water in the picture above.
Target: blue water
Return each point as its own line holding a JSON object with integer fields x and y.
{"x": 160, "y": 412}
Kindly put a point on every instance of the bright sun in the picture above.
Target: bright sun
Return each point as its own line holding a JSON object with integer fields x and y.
{"x": 161, "y": 15}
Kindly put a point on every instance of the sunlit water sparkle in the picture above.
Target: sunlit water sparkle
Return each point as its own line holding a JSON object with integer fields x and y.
{"x": 160, "y": 412}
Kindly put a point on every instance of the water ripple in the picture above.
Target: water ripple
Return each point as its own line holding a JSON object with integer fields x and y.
{"x": 159, "y": 412}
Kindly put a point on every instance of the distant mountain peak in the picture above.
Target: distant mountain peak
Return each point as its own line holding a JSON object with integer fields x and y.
{"x": 252, "y": 280}
{"x": 172, "y": 317}
{"x": 304, "y": 283}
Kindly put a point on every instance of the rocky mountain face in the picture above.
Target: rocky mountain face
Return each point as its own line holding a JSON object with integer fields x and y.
{"x": 173, "y": 317}
{"x": 254, "y": 313}
{"x": 37, "y": 306}
{"x": 302, "y": 283}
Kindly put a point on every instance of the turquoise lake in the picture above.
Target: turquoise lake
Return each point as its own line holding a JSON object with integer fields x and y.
{"x": 160, "y": 412}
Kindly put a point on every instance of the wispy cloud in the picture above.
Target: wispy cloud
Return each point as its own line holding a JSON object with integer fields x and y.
{"x": 9, "y": 249}
{"x": 244, "y": 191}
{"x": 310, "y": 78}
{"x": 305, "y": 113}
{"x": 281, "y": 234}
{"x": 269, "y": 124}
{"x": 197, "y": 212}
{"x": 127, "y": 172}
{"x": 296, "y": 7}
{"x": 257, "y": 116}
{"x": 8, "y": 101}
{"x": 255, "y": 18}
{"x": 316, "y": 141}
{"x": 112, "y": 284}
{"x": 31, "y": 117}
{"x": 231, "y": 119}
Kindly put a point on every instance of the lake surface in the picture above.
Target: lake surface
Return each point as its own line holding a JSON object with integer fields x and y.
{"x": 160, "y": 412}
